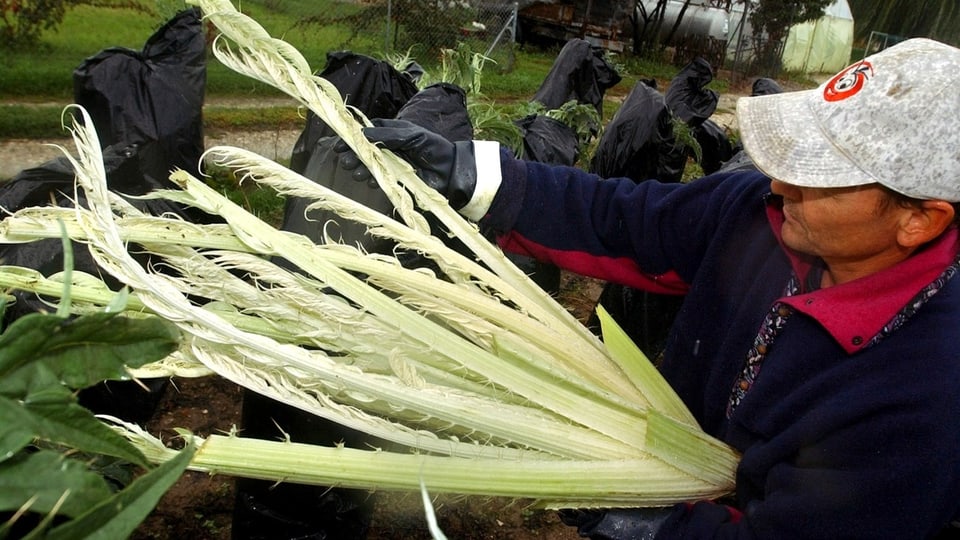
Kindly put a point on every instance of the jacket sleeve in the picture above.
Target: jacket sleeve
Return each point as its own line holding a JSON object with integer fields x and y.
{"x": 649, "y": 235}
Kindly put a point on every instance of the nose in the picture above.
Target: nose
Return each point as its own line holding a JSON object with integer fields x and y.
{"x": 781, "y": 188}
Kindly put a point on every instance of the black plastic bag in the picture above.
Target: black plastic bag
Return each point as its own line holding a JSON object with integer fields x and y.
{"x": 694, "y": 104}
{"x": 687, "y": 96}
{"x": 323, "y": 169}
{"x": 372, "y": 86}
{"x": 638, "y": 143}
{"x": 547, "y": 140}
{"x": 715, "y": 146}
{"x": 580, "y": 73}
{"x": 153, "y": 98}
{"x": 765, "y": 87}
{"x": 739, "y": 159}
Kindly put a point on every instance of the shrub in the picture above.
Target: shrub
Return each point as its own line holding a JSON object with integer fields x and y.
{"x": 22, "y": 21}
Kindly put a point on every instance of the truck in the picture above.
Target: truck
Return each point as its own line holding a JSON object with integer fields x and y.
{"x": 620, "y": 25}
{"x": 607, "y": 24}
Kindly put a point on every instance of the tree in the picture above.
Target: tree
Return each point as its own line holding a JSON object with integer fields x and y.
{"x": 22, "y": 21}
{"x": 936, "y": 19}
{"x": 771, "y": 21}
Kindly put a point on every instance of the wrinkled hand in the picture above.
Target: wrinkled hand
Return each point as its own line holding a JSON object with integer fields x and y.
{"x": 450, "y": 168}
{"x": 617, "y": 523}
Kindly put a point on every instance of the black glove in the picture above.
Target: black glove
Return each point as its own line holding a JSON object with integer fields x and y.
{"x": 448, "y": 167}
{"x": 617, "y": 523}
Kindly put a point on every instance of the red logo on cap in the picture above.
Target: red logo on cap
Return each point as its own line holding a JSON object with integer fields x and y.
{"x": 848, "y": 82}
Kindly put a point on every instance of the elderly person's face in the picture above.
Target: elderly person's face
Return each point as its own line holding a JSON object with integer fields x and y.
{"x": 856, "y": 230}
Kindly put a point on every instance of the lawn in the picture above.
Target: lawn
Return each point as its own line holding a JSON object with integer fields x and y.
{"x": 36, "y": 83}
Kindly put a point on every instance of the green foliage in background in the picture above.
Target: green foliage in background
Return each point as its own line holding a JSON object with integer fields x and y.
{"x": 935, "y": 19}
{"x": 22, "y": 21}
{"x": 774, "y": 18}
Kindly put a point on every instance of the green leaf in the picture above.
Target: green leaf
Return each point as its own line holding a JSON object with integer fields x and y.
{"x": 46, "y": 475}
{"x": 37, "y": 380}
{"x": 22, "y": 340}
{"x": 15, "y": 429}
{"x": 88, "y": 349}
{"x": 74, "y": 426}
{"x": 119, "y": 516}
{"x": 93, "y": 348}
{"x": 640, "y": 371}
{"x": 67, "y": 424}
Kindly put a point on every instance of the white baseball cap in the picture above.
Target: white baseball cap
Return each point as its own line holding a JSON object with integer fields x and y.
{"x": 891, "y": 118}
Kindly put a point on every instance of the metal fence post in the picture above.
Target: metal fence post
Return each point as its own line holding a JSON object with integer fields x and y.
{"x": 386, "y": 32}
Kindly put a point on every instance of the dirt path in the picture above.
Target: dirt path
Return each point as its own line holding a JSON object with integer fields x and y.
{"x": 19, "y": 154}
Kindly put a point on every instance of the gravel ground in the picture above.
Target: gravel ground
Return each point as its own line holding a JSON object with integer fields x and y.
{"x": 19, "y": 154}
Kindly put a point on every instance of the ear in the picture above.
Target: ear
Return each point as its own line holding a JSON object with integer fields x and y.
{"x": 924, "y": 222}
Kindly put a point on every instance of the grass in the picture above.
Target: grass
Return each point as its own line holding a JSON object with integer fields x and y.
{"x": 44, "y": 72}
{"x": 30, "y": 122}
{"x": 36, "y": 83}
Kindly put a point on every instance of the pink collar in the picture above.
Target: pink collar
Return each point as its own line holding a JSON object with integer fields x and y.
{"x": 855, "y": 312}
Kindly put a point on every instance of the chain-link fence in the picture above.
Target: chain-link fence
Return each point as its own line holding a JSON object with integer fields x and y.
{"x": 421, "y": 29}
{"x": 426, "y": 27}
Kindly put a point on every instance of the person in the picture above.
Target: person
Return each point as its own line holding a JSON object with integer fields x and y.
{"x": 818, "y": 333}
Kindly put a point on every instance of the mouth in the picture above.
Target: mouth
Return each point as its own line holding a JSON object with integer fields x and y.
{"x": 788, "y": 213}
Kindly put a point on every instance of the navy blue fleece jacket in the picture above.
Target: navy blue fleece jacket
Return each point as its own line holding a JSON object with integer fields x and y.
{"x": 849, "y": 429}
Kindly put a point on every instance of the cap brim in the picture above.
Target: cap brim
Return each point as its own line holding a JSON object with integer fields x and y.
{"x": 781, "y": 135}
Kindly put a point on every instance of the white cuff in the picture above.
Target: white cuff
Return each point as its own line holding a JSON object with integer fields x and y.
{"x": 487, "y": 155}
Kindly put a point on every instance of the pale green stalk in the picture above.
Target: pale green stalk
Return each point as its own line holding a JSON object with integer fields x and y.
{"x": 554, "y": 483}
{"x": 289, "y": 317}
{"x": 89, "y": 295}
{"x": 589, "y": 358}
{"x": 152, "y": 231}
{"x": 63, "y": 309}
{"x": 573, "y": 405}
{"x": 660, "y": 397}
{"x": 614, "y": 432}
